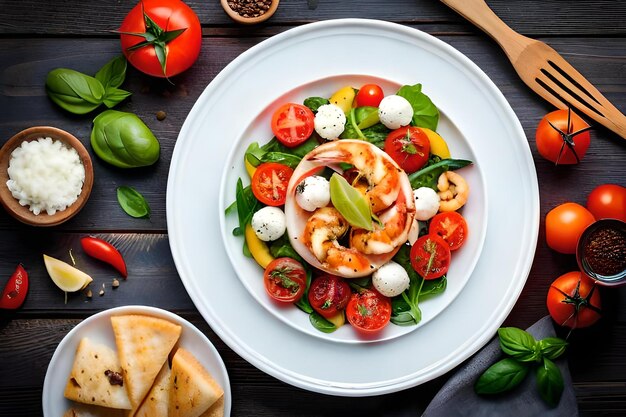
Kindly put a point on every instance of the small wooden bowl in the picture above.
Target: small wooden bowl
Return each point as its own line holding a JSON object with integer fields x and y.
{"x": 249, "y": 20}
{"x": 12, "y": 205}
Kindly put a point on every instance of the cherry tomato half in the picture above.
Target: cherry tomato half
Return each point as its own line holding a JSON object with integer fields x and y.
{"x": 170, "y": 15}
{"x": 451, "y": 227}
{"x": 292, "y": 124}
{"x": 269, "y": 183}
{"x": 608, "y": 201}
{"x": 368, "y": 310}
{"x": 409, "y": 147}
{"x": 328, "y": 295}
{"x": 430, "y": 256}
{"x": 552, "y": 145}
{"x": 369, "y": 95}
{"x": 564, "y": 225}
{"x": 572, "y": 303}
{"x": 285, "y": 280}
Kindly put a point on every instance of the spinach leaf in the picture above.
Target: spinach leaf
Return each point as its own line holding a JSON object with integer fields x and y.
{"x": 375, "y": 135}
{"x": 281, "y": 248}
{"x": 315, "y": 103}
{"x": 246, "y": 205}
{"x": 501, "y": 376}
{"x": 432, "y": 287}
{"x": 274, "y": 151}
{"x": 425, "y": 113}
{"x": 407, "y": 311}
{"x": 428, "y": 176}
{"x": 550, "y": 382}
{"x": 132, "y": 202}
{"x": 303, "y": 303}
{"x": 321, "y": 324}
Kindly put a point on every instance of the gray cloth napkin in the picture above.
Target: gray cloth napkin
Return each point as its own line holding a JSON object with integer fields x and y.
{"x": 457, "y": 397}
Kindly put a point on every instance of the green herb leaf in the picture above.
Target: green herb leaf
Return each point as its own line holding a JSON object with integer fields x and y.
{"x": 500, "y": 377}
{"x": 113, "y": 96}
{"x": 132, "y": 202}
{"x": 352, "y": 122}
{"x": 550, "y": 382}
{"x": 321, "y": 324}
{"x": 74, "y": 91}
{"x": 552, "y": 347}
{"x": 303, "y": 303}
{"x": 428, "y": 176}
{"x": 315, "y": 103}
{"x": 519, "y": 344}
{"x": 247, "y": 204}
{"x": 113, "y": 73}
{"x": 425, "y": 113}
{"x": 352, "y": 205}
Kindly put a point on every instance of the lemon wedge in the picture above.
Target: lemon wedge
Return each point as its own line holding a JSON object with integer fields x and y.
{"x": 65, "y": 276}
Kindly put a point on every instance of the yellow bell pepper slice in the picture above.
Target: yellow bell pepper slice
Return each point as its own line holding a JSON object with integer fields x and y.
{"x": 338, "y": 319}
{"x": 251, "y": 169}
{"x": 343, "y": 98}
{"x": 259, "y": 250}
{"x": 438, "y": 146}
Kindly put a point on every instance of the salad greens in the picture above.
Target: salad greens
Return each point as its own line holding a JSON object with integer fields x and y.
{"x": 425, "y": 113}
{"x": 427, "y": 176}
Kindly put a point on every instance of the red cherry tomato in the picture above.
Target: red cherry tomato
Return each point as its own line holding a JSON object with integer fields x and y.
{"x": 564, "y": 225}
{"x": 368, "y": 310}
{"x": 409, "y": 147}
{"x": 608, "y": 201}
{"x": 553, "y": 146}
{"x": 171, "y": 16}
{"x": 269, "y": 183}
{"x": 573, "y": 301}
{"x": 105, "y": 252}
{"x": 292, "y": 124}
{"x": 451, "y": 227}
{"x": 285, "y": 280}
{"x": 369, "y": 95}
{"x": 430, "y": 256}
{"x": 328, "y": 295}
{"x": 15, "y": 290}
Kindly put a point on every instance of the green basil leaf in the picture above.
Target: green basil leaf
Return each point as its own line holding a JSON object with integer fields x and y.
{"x": 281, "y": 248}
{"x": 303, "y": 303}
{"x": 552, "y": 347}
{"x": 352, "y": 205}
{"x": 500, "y": 377}
{"x": 73, "y": 91}
{"x": 132, "y": 202}
{"x": 85, "y": 87}
{"x": 519, "y": 344}
{"x": 425, "y": 113}
{"x": 315, "y": 103}
{"x": 123, "y": 140}
{"x": 113, "y": 96}
{"x": 254, "y": 153}
{"x": 113, "y": 73}
{"x": 321, "y": 324}
{"x": 428, "y": 176}
{"x": 550, "y": 382}
{"x": 71, "y": 104}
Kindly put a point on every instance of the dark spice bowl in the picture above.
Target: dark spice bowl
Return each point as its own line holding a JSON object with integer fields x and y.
{"x": 246, "y": 11}
{"x": 22, "y": 213}
{"x": 601, "y": 252}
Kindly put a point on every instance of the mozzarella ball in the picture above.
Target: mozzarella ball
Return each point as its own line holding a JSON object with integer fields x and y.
{"x": 391, "y": 279}
{"x": 269, "y": 223}
{"x": 395, "y": 112}
{"x": 426, "y": 203}
{"x": 329, "y": 121}
{"x": 313, "y": 192}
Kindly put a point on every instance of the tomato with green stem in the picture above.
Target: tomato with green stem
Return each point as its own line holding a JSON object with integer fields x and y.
{"x": 574, "y": 301}
{"x": 430, "y": 256}
{"x": 285, "y": 280}
{"x": 563, "y": 137}
{"x": 409, "y": 147}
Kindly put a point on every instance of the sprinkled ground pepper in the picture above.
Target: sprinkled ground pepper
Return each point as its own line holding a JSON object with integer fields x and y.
{"x": 605, "y": 251}
{"x": 250, "y": 8}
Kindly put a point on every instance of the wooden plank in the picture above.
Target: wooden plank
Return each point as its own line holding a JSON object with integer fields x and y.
{"x": 558, "y": 18}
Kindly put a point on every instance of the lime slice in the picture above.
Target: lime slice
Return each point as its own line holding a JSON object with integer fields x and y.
{"x": 65, "y": 276}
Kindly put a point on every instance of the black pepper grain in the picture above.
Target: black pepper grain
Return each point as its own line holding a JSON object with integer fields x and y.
{"x": 250, "y": 8}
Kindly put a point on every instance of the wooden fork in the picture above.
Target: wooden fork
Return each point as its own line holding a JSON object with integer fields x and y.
{"x": 542, "y": 68}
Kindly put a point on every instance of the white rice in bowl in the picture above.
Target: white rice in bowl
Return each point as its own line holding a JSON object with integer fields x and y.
{"x": 46, "y": 175}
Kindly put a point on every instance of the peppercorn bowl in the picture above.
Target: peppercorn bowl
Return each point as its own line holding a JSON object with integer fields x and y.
{"x": 33, "y": 164}
{"x": 249, "y": 12}
{"x": 601, "y": 252}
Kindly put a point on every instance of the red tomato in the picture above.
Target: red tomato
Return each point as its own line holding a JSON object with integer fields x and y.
{"x": 552, "y": 142}
{"x": 608, "y": 201}
{"x": 368, "y": 310}
{"x": 564, "y": 225}
{"x": 409, "y": 147}
{"x": 328, "y": 295}
{"x": 573, "y": 301}
{"x": 269, "y": 183}
{"x": 105, "y": 252}
{"x": 451, "y": 227}
{"x": 292, "y": 124}
{"x": 430, "y": 256}
{"x": 285, "y": 280}
{"x": 15, "y": 290}
{"x": 179, "y": 53}
{"x": 369, "y": 95}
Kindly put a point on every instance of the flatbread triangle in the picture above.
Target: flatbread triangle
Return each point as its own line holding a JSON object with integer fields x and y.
{"x": 155, "y": 403}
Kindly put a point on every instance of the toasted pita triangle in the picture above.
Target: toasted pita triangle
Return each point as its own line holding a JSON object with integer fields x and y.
{"x": 143, "y": 344}
{"x": 155, "y": 403}
{"x": 216, "y": 410}
{"x": 89, "y": 382}
{"x": 192, "y": 389}
{"x": 83, "y": 410}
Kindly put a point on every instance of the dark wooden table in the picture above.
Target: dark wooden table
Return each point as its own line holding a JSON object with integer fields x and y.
{"x": 39, "y": 35}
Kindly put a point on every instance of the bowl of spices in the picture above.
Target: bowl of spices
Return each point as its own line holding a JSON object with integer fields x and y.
{"x": 250, "y": 11}
{"x": 601, "y": 252}
{"x": 46, "y": 176}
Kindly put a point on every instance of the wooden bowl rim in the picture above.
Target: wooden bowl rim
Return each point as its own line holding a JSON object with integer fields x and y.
{"x": 22, "y": 213}
{"x": 249, "y": 20}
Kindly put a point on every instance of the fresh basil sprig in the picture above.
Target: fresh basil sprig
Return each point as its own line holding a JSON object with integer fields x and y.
{"x": 352, "y": 205}
{"x": 425, "y": 113}
{"x": 132, "y": 202}
{"x": 79, "y": 93}
{"x": 525, "y": 353}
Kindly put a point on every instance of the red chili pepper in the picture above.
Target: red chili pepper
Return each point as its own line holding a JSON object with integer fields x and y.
{"x": 15, "y": 291}
{"x": 105, "y": 252}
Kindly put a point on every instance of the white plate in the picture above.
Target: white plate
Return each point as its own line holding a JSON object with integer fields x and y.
{"x": 297, "y": 57}
{"x": 98, "y": 328}
{"x": 248, "y": 271}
